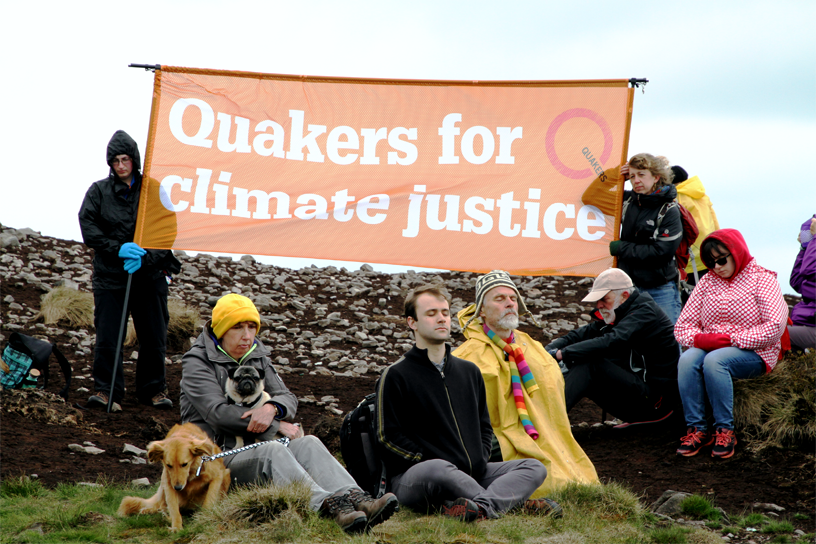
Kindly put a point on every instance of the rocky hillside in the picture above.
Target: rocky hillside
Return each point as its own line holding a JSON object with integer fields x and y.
{"x": 326, "y": 320}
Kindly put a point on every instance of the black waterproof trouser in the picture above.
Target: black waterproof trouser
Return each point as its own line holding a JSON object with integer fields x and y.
{"x": 147, "y": 305}
{"x": 617, "y": 390}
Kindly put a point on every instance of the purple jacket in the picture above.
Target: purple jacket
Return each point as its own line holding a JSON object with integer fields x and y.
{"x": 803, "y": 280}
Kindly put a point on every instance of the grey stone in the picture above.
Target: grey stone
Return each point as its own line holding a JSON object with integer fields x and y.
{"x": 9, "y": 241}
{"x": 92, "y": 450}
{"x": 669, "y": 502}
{"x": 769, "y": 506}
{"x": 130, "y": 448}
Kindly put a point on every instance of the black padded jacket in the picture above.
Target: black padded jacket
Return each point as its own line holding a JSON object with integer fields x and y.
{"x": 648, "y": 259}
{"x": 641, "y": 340}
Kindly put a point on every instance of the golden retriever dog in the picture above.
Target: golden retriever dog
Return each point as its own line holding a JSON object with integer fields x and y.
{"x": 180, "y": 452}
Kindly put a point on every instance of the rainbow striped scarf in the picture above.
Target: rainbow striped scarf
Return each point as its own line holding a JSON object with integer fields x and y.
{"x": 520, "y": 373}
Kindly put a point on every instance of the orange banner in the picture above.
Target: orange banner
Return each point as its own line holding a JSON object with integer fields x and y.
{"x": 518, "y": 175}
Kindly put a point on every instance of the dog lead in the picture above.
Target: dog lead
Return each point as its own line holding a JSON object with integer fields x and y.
{"x": 204, "y": 458}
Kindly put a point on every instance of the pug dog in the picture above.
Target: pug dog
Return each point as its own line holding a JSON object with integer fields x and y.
{"x": 245, "y": 388}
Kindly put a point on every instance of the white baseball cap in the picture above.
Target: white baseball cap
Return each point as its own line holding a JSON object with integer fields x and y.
{"x": 608, "y": 280}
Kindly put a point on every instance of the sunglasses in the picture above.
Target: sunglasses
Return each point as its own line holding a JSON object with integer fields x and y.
{"x": 722, "y": 261}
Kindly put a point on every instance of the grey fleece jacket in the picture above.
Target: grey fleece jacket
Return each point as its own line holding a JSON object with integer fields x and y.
{"x": 203, "y": 402}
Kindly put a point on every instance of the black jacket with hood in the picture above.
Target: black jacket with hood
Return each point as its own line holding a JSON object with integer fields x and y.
{"x": 424, "y": 414}
{"x": 107, "y": 219}
{"x": 641, "y": 340}
{"x": 649, "y": 259}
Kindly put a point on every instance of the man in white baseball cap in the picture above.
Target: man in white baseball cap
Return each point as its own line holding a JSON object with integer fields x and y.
{"x": 626, "y": 360}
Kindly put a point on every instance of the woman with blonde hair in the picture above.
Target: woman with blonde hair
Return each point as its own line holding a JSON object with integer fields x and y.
{"x": 651, "y": 231}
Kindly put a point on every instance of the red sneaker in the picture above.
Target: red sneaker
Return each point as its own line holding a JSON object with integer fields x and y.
{"x": 462, "y": 509}
{"x": 724, "y": 442}
{"x": 693, "y": 442}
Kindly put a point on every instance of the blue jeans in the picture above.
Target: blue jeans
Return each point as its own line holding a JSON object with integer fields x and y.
{"x": 666, "y": 296}
{"x": 701, "y": 373}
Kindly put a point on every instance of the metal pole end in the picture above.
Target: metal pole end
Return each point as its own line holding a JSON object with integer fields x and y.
{"x": 150, "y": 67}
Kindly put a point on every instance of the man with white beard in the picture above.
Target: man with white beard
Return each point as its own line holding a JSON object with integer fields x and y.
{"x": 626, "y": 360}
{"x": 523, "y": 385}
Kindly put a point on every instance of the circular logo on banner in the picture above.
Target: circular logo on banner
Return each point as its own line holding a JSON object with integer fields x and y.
{"x": 549, "y": 141}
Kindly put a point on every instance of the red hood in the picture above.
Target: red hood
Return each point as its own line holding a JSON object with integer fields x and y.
{"x": 733, "y": 240}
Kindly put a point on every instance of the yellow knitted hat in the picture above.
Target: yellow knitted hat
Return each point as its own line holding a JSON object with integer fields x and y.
{"x": 232, "y": 309}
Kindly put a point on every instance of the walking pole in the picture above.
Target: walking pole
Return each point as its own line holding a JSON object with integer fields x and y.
{"x": 119, "y": 353}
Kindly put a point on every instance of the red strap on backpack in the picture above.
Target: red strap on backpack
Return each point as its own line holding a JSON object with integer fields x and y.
{"x": 690, "y": 234}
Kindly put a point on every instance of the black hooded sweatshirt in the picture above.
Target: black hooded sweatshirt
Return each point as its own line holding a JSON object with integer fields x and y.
{"x": 107, "y": 219}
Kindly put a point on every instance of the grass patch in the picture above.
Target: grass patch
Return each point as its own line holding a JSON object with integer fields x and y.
{"x": 801, "y": 517}
{"x": 777, "y": 527}
{"x": 778, "y": 409}
{"x": 22, "y": 486}
{"x": 593, "y": 514}
{"x": 670, "y": 535}
{"x": 66, "y": 306}
{"x": 732, "y": 530}
{"x": 754, "y": 519}
{"x": 609, "y": 501}
{"x": 699, "y": 507}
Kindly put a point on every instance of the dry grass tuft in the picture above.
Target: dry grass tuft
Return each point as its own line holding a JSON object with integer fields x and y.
{"x": 66, "y": 306}
{"x": 252, "y": 505}
{"x": 185, "y": 322}
{"x": 778, "y": 409}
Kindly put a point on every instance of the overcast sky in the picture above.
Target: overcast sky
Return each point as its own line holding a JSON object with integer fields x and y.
{"x": 731, "y": 97}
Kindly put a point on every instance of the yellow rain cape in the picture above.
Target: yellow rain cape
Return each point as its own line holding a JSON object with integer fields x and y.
{"x": 555, "y": 447}
{"x": 691, "y": 194}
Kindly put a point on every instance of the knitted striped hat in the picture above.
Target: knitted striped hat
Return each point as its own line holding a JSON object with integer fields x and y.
{"x": 496, "y": 278}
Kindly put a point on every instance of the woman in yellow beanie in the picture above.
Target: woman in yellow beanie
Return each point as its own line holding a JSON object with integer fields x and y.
{"x": 227, "y": 342}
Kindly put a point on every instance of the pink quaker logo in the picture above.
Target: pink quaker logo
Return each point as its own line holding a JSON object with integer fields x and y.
{"x": 549, "y": 141}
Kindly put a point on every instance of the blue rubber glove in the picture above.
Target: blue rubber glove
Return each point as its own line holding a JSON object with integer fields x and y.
{"x": 132, "y": 265}
{"x": 130, "y": 250}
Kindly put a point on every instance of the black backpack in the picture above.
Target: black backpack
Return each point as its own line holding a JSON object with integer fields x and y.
{"x": 360, "y": 448}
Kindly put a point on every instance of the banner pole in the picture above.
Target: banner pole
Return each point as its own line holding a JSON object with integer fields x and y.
{"x": 119, "y": 354}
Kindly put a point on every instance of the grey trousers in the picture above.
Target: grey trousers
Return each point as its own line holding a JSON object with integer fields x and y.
{"x": 802, "y": 336}
{"x": 305, "y": 459}
{"x": 426, "y": 485}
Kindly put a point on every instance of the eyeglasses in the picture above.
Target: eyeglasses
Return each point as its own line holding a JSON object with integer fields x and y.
{"x": 722, "y": 261}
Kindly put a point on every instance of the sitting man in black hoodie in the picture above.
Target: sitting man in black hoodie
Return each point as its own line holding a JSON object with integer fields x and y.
{"x": 434, "y": 427}
{"x": 626, "y": 361}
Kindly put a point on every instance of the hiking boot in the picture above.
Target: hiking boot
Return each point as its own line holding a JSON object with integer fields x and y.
{"x": 462, "y": 509}
{"x": 160, "y": 401}
{"x": 724, "y": 442}
{"x": 693, "y": 442}
{"x": 657, "y": 419}
{"x": 101, "y": 399}
{"x": 339, "y": 507}
{"x": 376, "y": 510}
{"x": 543, "y": 507}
